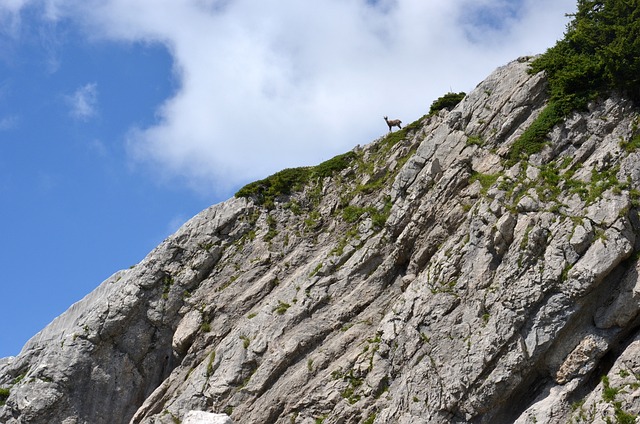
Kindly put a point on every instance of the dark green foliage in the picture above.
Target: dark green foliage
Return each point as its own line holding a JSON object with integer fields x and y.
{"x": 623, "y": 417}
{"x": 608, "y": 393}
{"x": 352, "y": 213}
{"x": 549, "y": 184}
{"x": 448, "y": 101}
{"x": 281, "y": 183}
{"x": 599, "y": 54}
{"x": 4, "y": 395}
{"x": 291, "y": 180}
{"x": 379, "y": 218}
{"x": 331, "y": 166}
{"x": 533, "y": 138}
{"x": 475, "y": 140}
{"x": 273, "y": 231}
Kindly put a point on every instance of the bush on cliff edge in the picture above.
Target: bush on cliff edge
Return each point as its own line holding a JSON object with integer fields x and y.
{"x": 599, "y": 54}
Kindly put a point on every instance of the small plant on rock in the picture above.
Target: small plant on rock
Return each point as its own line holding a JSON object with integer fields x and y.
{"x": 281, "y": 308}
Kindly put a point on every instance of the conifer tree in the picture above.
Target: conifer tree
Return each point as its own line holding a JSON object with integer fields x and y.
{"x": 599, "y": 53}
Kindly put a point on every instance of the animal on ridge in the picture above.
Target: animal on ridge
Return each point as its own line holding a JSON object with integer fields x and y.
{"x": 393, "y": 123}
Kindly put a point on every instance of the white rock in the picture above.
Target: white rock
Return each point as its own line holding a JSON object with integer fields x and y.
{"x": 200, "y": 417}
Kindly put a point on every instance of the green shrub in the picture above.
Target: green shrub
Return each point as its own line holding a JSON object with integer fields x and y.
{"x": 273, "y": 228}
{"x": 331, "y": 166}
{"x": 599, "y": 53}
{"x": 352, "y": 213}
{"x": 475, "y": 140}
{"x": 281, "y": 183}
{"x": 534, "y": 137}
{"x": 448, "y": 101}
{"x": 167, "y": 282}
{"x": 631, "y": 145}
{"x": 290, "y": 180}
{"x": 379, "y": 218}
{"x": 4, "y": 395}
{"x": 623, "y": 417}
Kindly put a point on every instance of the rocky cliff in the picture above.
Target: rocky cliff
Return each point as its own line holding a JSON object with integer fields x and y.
{"x": 428, "y": 277}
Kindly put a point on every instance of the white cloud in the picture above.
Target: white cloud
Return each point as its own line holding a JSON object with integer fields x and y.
{"x": 9, "y": 15}
{"x": 9, "y": 122}
{"x": 271, "y": 84}
{"x": 83, "y": 102}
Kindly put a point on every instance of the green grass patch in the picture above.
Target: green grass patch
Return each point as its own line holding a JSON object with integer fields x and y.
{"x": 623, "y": 417}
{"x": 602, "y": 181}
{"x": 485, "y": 180}
{"x": 475, "y": 140}
{"x": 379, "y": 218}
{"x": 631, "y": 145}
{"x": 290, "y": 180}
{"x": 167, "y": 282}
{"x": 608, "y": 393}
{"x": 339, "y": 249}
{"x": 281, "y": 183}
{"x": 352, "y": 214}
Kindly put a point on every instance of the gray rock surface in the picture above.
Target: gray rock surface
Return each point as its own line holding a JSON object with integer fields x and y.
{"x": 431, "y": 281}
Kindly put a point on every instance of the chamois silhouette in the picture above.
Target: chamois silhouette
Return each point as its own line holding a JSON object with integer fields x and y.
{"x": 393, "y": 123}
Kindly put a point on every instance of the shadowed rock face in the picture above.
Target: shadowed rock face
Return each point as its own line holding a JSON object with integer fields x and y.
{"x": 431, "y": 281}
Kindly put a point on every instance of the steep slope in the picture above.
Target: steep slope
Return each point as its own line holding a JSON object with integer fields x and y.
{"x": 423, "y": 278}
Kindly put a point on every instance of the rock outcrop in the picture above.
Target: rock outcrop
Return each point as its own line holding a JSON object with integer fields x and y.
{"x": 432, "y": 280}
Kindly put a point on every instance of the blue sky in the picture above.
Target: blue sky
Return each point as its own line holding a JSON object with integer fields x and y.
{"x": 121, "y": 119}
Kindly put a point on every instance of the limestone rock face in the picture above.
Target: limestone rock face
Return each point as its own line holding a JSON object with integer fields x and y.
{"x": 432, "y": 280}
